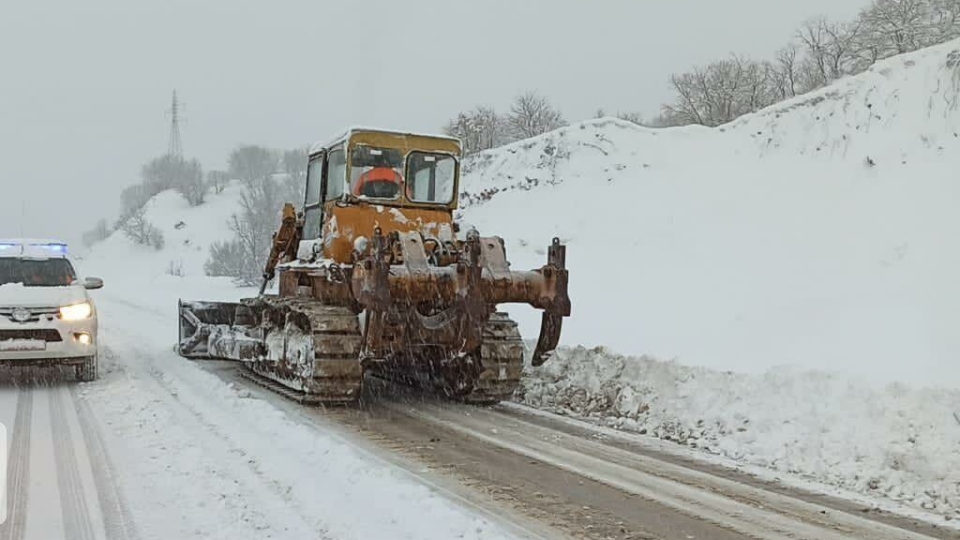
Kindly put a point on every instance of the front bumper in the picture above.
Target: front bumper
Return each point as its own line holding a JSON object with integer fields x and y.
{"x": 61, "y": 344}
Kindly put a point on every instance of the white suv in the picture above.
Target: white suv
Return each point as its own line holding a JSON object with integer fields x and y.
{"x": 46, "y": 316}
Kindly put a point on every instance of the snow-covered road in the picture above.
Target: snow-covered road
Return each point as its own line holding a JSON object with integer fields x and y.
{"x": 201, "y": 459}
{"x": 60, "y": 481}
{"x": 162, "y": 447}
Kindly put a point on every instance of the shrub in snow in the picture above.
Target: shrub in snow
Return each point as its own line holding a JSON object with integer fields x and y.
{"x": 229, "y": 259}
{"x": 252, "y": 163}
{"x": 100, "y": 232}
{"x": 175, "y": 268}
{"x": 191, "y": 184}
{"x": 217, "y": 181}
{"x": 132, "y": 199}
{"x": 175, "y": 172}
{"x": 142, "y": 232}
{"x": 532, "y": 114}
{"x": 265, "y": 192}
{"x": 478, "y": 130}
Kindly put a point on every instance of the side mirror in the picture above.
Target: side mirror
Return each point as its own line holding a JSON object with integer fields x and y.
{"x": 91, "y": 283}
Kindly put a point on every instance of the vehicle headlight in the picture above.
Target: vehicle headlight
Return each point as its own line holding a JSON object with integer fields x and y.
{"x": 76, "y": 312}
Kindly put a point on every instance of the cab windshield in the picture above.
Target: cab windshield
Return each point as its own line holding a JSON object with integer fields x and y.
{"x": 37, "y": 272}
{"x": 376, "y": 173}
{"x": 432, "y": 177}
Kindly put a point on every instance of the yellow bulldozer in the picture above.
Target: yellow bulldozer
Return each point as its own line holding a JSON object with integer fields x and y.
{"x": 374, "y": 276}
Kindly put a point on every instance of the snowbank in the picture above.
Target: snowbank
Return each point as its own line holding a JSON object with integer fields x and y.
{"x": 819, "y": 232}
{"x": 896, "y": 442}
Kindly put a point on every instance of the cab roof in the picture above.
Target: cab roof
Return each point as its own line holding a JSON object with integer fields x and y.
{"x": 347, "y": 133}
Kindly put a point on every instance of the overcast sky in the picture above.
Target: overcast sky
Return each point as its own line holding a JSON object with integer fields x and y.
{"x": 84, "y": 85}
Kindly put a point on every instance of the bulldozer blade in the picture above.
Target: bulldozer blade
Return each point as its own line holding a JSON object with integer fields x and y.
{"x": 549, "y": 338}
{"x": 217, "y": 330}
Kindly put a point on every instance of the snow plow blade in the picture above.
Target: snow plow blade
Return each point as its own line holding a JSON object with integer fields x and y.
{"x": 218, "y": 330}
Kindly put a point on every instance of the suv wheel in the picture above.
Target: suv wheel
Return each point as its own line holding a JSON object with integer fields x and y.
{"x": 87, "y": 372}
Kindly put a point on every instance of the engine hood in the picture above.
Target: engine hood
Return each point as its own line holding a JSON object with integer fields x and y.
{"x": 16, "y": 295}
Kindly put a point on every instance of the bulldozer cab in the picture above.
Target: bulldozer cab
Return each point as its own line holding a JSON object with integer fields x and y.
{"x": 366, "y": 178}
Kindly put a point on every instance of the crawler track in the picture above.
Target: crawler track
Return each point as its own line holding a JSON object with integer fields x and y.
{"x": 313, "y": 351}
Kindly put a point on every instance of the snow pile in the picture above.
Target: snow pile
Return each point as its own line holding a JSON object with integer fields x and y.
{"x": 894, "y": 441}
{"x": 818, "y": 233}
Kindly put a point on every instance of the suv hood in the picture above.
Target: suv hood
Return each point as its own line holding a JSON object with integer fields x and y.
{"x": 16, "y": 295}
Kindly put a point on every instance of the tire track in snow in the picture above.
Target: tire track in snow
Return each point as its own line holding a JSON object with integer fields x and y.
{"x": 117, "y": 519}
{"x": 73, "y": 502}
{"x": 18, "y": 470}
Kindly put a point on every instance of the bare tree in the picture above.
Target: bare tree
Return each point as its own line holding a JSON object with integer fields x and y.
{"x": 686, "y": 108}
{"x": 787, "y": 62}
{"x": 720, "y": 92}
{"x": 899, "y": 26}
{"x": 100, "y": 232}
{"x": 142, "y": 232}
{"x": 253, "y": 227}
{"x": 295, "y": 164}
{"x": 945, "y": 15}
{"x": 191, "y": 184}
{"x": 632, "y": 117}
{"x": 133, "y": 198}
{"x": 783, "y": 73}
{"x": 532, "y": 114}
{"x": 831, "y": 50}
{"x": 228, "y": 259}
{"x": 162, "y": 173}
{"x": 218, "y": 180}
{"x": 252, "y": 163}
{"x": 812, "y": 34}
{"x": 480, "y": 129}
{"x": 823, "y": 52}
{"x": 842, "y": 47}
{"x": 295, "y": 167}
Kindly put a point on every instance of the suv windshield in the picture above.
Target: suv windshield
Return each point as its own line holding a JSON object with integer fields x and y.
{"x": 37, "y": 273}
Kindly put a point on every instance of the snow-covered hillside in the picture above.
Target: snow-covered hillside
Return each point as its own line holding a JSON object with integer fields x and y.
{"x": 819, "y": 232}
{"x": 176, "y": 270}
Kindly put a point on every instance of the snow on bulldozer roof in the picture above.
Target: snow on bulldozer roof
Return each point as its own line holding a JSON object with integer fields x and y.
{"x": 345, "y": 134}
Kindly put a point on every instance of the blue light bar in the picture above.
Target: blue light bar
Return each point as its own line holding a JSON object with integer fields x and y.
{"x": 53, "y": 246}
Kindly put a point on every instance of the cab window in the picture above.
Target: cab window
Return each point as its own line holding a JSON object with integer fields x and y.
{"x": 314, "y": 177}
{"x": 312, "y": 210}
{"x": 376, "y": 173}
{"x": 433, "y": 178}
{"x": 336, "y": 174}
